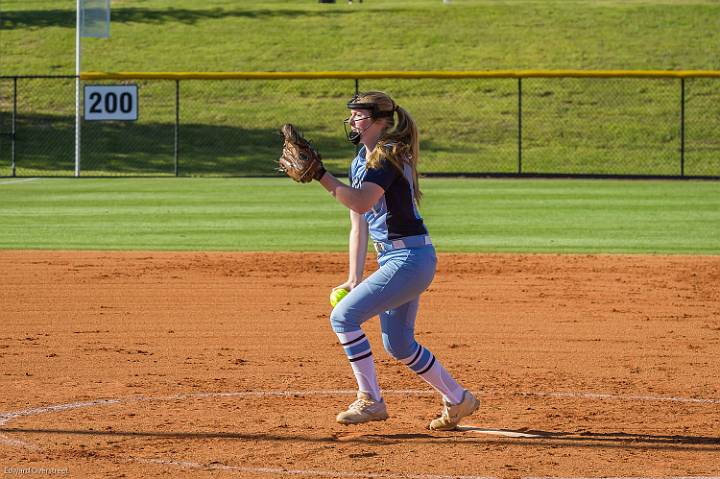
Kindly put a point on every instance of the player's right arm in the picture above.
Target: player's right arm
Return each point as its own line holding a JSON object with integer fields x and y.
{"x": 359, "y": 200}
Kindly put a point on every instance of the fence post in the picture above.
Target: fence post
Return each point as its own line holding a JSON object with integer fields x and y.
{"x": 682, "y": 126}
{"x": 13, "y": 127}
{"x": 177, "y": 128}
{"x": 519, "y": 126}
{"x": 357, "y": 92}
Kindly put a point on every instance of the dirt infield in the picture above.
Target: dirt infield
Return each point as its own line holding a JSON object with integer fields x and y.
{"x": 224, "y": 365}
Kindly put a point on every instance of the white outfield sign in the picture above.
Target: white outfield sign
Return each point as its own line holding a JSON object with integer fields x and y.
{"x": 111, "y": 102}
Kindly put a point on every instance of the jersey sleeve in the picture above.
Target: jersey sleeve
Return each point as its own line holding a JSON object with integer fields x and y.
{"x": 383, "y": 175}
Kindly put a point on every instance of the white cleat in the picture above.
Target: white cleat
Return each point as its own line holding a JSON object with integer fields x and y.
{"x": 364, "y": 409}
{"x": 451, "y": 415}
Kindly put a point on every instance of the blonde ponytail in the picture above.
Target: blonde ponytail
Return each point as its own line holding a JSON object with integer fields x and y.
{"x": 400, "y": 143}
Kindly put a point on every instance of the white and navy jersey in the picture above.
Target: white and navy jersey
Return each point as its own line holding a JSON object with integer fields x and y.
{"x": 395, "y": 215}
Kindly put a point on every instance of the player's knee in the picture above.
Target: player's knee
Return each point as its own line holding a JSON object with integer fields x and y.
{"x": 399, "y": 347}
{"x": 342, "y": 320}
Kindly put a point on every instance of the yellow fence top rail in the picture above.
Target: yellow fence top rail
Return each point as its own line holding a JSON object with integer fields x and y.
{"x": 400, "y": 74}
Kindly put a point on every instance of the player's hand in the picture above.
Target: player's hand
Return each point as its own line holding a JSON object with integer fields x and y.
{"x": 347, "y": 286}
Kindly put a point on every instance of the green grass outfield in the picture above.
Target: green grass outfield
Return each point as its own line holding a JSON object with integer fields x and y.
{"x": 463, "y": 215}
{"x": 609, "y": 126}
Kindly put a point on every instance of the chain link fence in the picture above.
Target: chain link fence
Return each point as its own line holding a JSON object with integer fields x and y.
{"x": 469, "y": 126}
{"x": 37, "y": 126}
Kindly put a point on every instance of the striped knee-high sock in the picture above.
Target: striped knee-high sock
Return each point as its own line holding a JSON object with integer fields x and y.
{"x": 357, "y": 349}
{"x": 423, "y": 362}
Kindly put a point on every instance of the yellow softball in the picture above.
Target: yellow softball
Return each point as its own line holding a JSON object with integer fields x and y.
{"x": 336, "y": 296}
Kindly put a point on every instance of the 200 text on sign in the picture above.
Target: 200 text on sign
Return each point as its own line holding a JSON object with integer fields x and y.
{"x": 111, "y": 102}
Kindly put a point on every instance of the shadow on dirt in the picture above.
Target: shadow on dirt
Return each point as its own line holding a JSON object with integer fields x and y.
{"x": 529, "y": 437}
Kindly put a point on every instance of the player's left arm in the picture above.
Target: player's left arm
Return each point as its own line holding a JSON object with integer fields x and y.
{"x": 358, "y": 200}
{"x": 357, "y": 248}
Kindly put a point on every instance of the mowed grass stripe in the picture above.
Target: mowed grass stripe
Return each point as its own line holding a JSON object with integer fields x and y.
{"x": 481, "y": 215}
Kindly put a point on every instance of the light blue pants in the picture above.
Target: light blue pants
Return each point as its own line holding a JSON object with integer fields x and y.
{"x": 393, "y": 293}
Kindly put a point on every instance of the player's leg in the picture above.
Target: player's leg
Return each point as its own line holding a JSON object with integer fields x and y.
{"x": 346, "y": 319}
{"x": 360, "y": 304}
{"x": 399, "y": 341}
{"x": 398, "y": 280}
{"x": 398, "y": 326}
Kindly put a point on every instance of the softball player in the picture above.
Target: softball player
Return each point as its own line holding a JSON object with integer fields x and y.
{"x": 382, "y": 198}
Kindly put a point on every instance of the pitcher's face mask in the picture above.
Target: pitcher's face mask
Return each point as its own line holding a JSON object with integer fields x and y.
{"x": 364, "y": 110}
{"x": 355, "y": 134}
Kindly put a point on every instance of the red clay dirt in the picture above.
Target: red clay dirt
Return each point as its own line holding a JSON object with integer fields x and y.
{"x": 224, "y": 365}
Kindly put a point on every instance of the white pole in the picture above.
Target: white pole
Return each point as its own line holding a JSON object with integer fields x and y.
{"x": 77, "y": 91}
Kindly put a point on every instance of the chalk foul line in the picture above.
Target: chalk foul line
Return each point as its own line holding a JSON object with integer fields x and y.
{"x": 6, "y": 417}
{"x": 279, "y": 471}
{"x": 15, "y": 182}
{"x": 301, "y": 472}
